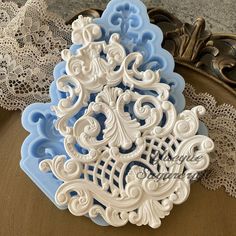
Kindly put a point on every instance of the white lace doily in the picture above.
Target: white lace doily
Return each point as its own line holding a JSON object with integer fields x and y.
{"x": 31, "y": 40}
{"x": 221, "y": 122}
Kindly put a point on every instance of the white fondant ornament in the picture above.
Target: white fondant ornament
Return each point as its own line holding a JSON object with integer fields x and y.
{"x": 112, "y": 167}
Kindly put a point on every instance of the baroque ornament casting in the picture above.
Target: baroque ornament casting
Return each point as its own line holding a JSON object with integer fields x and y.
{"x": 113, "y": 117}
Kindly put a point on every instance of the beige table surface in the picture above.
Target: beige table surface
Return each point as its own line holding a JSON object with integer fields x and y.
{"x": 26, "y": 211}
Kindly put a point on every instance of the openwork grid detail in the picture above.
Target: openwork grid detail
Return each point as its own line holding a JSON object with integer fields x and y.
{"x": 109, "y": 173}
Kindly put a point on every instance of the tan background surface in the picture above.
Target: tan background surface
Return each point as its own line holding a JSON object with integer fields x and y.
{"x": 26, "y": 211}
{"x": 220, "y": 15}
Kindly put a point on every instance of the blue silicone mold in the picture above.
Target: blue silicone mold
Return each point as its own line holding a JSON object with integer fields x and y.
{"x": 128, "y": 18}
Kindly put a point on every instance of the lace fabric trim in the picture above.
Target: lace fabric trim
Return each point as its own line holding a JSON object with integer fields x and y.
{"x": 31, "y": 39}
{"x": 221, "y": 123}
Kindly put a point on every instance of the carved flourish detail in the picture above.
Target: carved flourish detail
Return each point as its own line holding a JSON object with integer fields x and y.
{"x": 192, "y": 44}
{"x": 127, "y": 119}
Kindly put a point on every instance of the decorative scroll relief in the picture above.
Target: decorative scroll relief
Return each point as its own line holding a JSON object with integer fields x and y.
{"x": 117, "y": 145}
